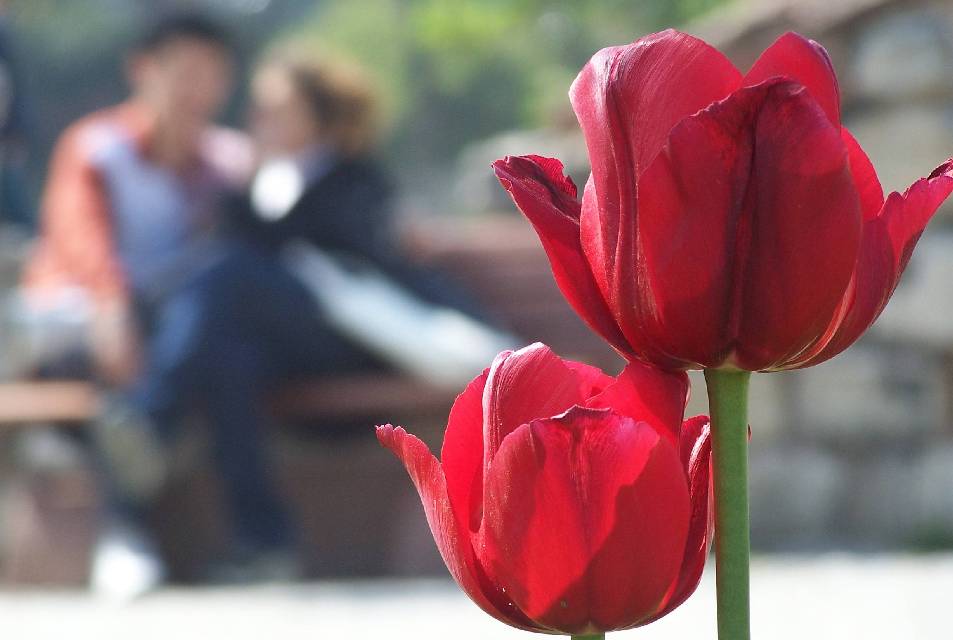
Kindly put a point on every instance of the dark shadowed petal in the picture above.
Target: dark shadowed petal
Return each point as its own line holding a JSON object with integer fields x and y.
{"x": 454, "y": 545}
{"x": 871, "y": 198}
{"x": 586, "y": 520}
{"x": 644, "y": 392}
{"x": 866, "y": 182}
{"x": 592, "y": 380}
{"x": 627, "y": 100}
{"x": 888, "y": 242}
{"x": 749, "y": 227}
{"x": 695, "y": 453}
{"x": 804, "y": 233}
{"x": 691, "y": 223}
{"x": 548, "y": 199}
{"x": 795, "y": 57}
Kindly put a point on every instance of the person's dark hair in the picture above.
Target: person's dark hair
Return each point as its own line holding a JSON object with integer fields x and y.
{"x": 172, "y": 26}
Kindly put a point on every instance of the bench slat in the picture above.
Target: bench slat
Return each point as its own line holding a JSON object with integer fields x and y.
{"x": 376, "y": 398}
{"x": 380, "y": 398}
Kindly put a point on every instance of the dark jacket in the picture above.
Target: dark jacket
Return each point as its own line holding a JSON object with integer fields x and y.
{"x": 349, "y": 211}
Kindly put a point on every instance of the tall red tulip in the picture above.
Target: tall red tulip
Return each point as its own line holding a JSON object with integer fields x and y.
{"x": 565, "y": 500}
{"x": 730, "y": 221}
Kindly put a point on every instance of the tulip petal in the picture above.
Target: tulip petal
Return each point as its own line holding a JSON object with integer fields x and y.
{"x": 548, "y": 200}
{"x": 454, "y": 545}
{"x": 866, "y": 182}
{"x": 524, "y": 385}
{"x": 695, "y": 453}
{"x": 592, "y": 380}
{"x": 888, "y": 241}
{"x": 749, "y": 208}
{"x": 462, "y": 455}
{"x": 871, "y": 197}
{"x": 692, "y": 208}
{"x": 797, "y": 58}
{"x": 586, "y": 520}
{"x": 644, "y": 392}
{"x": 804, "y": 233}
{"x": 627, "y": 100}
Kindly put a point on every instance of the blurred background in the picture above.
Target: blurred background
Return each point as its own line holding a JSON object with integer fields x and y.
{"x": 854, "y": 455}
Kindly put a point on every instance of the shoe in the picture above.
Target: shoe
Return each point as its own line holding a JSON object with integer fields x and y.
{"x": 136, "y": 460}
{"x": 126, "y": 563}
{"x": 48, "y": 450}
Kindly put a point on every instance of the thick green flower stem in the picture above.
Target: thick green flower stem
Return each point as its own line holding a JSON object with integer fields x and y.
{"x": 595, "y": 636}
{"x": 728, "y": 402}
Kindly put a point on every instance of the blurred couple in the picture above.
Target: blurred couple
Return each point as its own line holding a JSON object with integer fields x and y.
{"x": 209, "y": 263}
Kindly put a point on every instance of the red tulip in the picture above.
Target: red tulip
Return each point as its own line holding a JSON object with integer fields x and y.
{"x": 729, "y": 220}
{"x": 567, "y": 501}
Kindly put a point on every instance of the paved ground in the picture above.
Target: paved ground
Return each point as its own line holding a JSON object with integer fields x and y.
{"x": 836, "y": 597}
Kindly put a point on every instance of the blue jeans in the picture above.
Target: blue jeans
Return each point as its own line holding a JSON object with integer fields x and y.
{"x": 218, "y": 344}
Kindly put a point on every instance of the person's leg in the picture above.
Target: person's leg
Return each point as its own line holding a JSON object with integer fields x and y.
{"x": 266, "y": 330}
{"x": 239, "y": 370}
{"x": 138, "y": 425}
{"x": 174, "y": 356}
{"x": 131, "y": 463}
{"x": 239, "y": 330}
{"x": 198, "y": 355}
{"x": 274, "y": 307}
{"x": 224, "y": 362}
{"x": 135, "y": 431}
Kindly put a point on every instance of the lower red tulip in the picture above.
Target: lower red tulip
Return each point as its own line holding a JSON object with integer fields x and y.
{"x": 568, "y": 501}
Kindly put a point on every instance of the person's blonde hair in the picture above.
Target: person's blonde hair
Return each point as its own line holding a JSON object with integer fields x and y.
{"x": 340, "y": 96}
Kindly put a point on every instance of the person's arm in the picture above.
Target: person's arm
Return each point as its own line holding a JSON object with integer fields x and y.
{"x": 78, "y": 244}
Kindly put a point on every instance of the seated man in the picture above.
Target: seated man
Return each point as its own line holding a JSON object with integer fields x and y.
{"x": 129, "y": 220}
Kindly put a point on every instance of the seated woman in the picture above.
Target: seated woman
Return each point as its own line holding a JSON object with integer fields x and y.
{"x": 314, "y": 126}
{"x": 322, "y": 205}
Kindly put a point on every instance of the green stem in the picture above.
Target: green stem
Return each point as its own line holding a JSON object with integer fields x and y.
{"x": 595, "y": 636}
{"x": 728, "y": 401}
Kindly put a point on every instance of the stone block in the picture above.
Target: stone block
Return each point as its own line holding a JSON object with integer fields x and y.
{"x": 904, "y": 56}
{"x": 906, "y": 141}
{"x": 880, "y": 510}
{"x": 872, "y": 393}
{"x": 921, "y": 310}
{"x": 797, "y": 493}
{"x": 931, "y": 491}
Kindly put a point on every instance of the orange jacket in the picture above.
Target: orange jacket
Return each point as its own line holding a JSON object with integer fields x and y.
{"x": 76, "y": 247}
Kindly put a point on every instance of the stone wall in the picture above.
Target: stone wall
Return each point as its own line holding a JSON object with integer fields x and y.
{"x": 858, "y": 452}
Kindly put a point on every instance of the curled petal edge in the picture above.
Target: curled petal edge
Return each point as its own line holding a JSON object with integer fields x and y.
{"x": 454, "y": 545}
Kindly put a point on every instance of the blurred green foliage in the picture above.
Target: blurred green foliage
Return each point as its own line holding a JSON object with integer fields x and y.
{"x": 448, "y": 72}
{"x": 453, "y": 71}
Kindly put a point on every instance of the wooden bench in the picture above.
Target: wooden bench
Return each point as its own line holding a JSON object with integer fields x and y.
{"x": 500, "y": 262}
